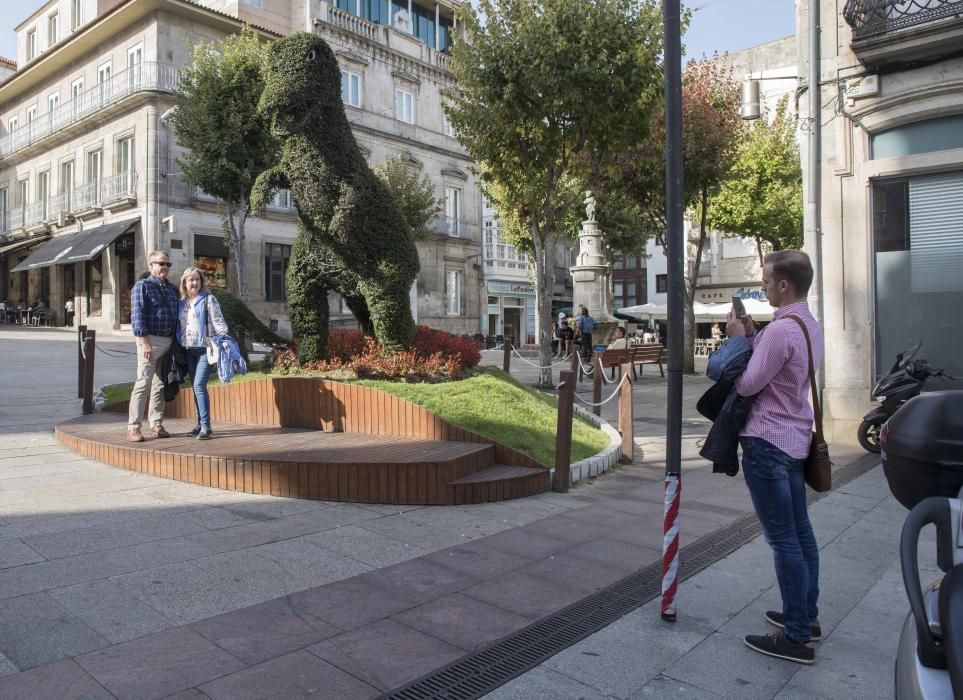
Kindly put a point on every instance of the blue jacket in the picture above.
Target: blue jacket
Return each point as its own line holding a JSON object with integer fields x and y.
{"x": 229, "y": 358}
{"x": 723, "y": 405}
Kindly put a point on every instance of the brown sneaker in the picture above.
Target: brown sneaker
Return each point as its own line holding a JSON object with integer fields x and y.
{"x": 134, "y": 435}
{"x": 159, "y": 431}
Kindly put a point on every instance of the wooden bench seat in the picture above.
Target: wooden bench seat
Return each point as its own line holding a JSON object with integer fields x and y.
{"x": 637, "y": 355}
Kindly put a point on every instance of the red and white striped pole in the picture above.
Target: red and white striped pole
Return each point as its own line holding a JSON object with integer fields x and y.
{"x": 670, "y": 545}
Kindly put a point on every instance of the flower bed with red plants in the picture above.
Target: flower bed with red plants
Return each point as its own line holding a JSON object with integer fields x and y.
{"x": 434, "y": 356}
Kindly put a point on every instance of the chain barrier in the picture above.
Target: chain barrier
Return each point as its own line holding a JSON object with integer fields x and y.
{"x": 110, "y": 352}
{"x": 562, "y": 361}
{"x": 615, "y": 393}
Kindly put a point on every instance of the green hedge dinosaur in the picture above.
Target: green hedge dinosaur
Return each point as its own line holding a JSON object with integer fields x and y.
{"x": 352, "y": 237}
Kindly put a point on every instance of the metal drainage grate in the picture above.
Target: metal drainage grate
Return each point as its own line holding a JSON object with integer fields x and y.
{"x": 476, "y": 674}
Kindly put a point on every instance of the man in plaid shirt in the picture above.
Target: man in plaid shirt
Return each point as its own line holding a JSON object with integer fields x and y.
{"x": 153, "y": 318}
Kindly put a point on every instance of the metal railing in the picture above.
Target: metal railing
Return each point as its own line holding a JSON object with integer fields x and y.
{"x": 454, "y": 227}
{"x": 57, "y": 205}
{"x": 35, "y": 213}
{"x": 119, "y": 187}
{"x": 86, "y": 197}
{"x": 873, "y": 17}
{"x": 16, "y": 218}
{"x": 146, "y": 76}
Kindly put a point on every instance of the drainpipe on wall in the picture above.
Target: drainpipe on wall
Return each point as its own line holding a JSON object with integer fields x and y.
{"x": 812, "y": 234}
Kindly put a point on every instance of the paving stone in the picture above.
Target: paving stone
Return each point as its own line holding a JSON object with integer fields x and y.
{"x": 348, "y": 604}
{"x": 16, "y": 553}
{"x": 478, "y": 559}
{"x": 189, "y": 694}
{"x": 616, "y": 553}
{"x": 420, "y": 580}
{"x": 373, "y": 548}
{"x": 415, "y": 533}
{"x": 6, "y": 666}
{"x": 579, "y": 573}
{"x": 524, "y": 595}
{"x": 184, "y": 593}
{"x": 386, "y": 654}
{"x": 545, "y": 684}
{"x": 111, "y": 611}
{"x": 64, "y": 680}
{"x": 563, "y": 528}
{"x": 664, "y": 687}
{"x": 525, "y": 542}
{"x": 295, "y": 675}
{"x": 725, "y": 665}
{"x": 264, "y": 631}
{"x": 36, "y": 630}
{"x": 158, "y": 665}
{"x": 462, "y": 621}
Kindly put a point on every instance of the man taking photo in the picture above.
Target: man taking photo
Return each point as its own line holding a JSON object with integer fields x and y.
{"x": 775, "y": 442}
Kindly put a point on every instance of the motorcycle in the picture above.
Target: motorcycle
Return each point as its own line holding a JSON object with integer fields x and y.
{"x": 922, "y": 453}
{"x": 904, "y": 381}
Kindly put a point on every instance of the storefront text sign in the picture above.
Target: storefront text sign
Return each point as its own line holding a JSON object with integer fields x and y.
{"x": 511, "y": 288}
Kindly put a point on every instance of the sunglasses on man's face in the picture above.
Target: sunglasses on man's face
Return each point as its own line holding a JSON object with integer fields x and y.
{"x": 162, "y": 264}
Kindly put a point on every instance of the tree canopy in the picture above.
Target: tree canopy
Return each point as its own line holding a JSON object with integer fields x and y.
{"x": 229, "y": 143}
{"x": 763, "y": 197}
{"x": 413, "y": 192}
{"x": 547, "y": 91}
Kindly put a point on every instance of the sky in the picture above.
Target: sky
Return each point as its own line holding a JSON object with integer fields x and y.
{"x": 717, "y": 25}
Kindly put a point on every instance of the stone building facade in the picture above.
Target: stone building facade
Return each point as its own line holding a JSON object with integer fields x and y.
{"x": 85, "y": 144}
{"x": 891, "y": 200}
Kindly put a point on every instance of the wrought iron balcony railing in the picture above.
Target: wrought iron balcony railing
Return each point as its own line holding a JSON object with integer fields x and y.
{"x": 148, "y": 76}
{"x": 870, "y": 18}
{"x": 121, "y": 187}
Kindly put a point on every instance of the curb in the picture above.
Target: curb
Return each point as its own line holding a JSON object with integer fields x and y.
{"x": 604, "y": 460}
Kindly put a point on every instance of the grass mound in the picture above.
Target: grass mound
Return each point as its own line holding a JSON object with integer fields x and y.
{"x": 493, "y": 404}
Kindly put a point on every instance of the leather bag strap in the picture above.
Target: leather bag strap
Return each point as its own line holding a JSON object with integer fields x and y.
{"x": 812, "y": 379}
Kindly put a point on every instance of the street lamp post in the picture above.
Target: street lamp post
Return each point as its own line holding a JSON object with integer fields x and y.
{"x": 672, "y": 51}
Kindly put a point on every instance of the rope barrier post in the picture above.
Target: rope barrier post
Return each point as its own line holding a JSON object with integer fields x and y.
{"x": 81, "y": 332}
{"x": 507, "y": 352}
{"x": 89, "y": 345}
{"x": 597, "y": 383}
{"x": 563, "y": 433}
{"x": 575, "y": 365}
{"x": 626, "y": 413}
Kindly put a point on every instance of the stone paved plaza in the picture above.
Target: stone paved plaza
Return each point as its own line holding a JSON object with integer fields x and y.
{"x": 118, "y": 584}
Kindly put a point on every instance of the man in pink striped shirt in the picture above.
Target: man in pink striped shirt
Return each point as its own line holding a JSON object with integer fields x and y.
{"x": 775, "y": 443}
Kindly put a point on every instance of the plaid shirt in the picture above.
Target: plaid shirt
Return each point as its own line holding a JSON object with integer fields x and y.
{"x": 779, "y": 373}
{"x": 153, "y": 307}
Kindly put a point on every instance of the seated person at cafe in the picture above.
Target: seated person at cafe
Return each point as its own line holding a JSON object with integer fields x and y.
{"x": 619, "y": 341}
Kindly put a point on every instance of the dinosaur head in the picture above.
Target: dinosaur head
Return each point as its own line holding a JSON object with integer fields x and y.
{"x": 302, "y": 79}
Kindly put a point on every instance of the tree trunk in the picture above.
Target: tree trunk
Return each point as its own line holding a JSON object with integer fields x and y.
{"x": 235, "y": 219}
{"x": 544, "y": 284}
{"x": 688, "y": 364}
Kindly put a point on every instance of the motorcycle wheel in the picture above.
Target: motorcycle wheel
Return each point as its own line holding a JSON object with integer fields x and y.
{"x": 868, "y": 435}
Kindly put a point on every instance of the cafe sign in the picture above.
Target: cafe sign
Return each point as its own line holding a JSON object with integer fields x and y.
{"x": 511, "y": 288}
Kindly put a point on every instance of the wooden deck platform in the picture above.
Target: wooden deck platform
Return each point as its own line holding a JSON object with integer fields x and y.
{"x": 260, "y": 455}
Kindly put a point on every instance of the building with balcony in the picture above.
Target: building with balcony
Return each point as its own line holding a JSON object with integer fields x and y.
{"x": 84, "y": 146}
{"x": 508, "y": 284}
{"x": 891, "y": 228}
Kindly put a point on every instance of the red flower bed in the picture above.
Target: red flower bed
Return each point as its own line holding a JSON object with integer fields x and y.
{"x": 435, "y": 355}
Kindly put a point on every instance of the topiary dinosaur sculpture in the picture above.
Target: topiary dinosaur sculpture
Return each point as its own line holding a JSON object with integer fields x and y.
{"x": 352, "y": 237}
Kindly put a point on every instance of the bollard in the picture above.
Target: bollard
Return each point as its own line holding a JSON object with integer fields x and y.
{"x": 81, "y": 333}
{"x": 575, "y": 366}
{"x": 563, "y": 433}
{"x": 597, "y": 382}
{"x": 507, "y": 349}
{"x": 626, "y": 413}
{"x": 89, "y": 350}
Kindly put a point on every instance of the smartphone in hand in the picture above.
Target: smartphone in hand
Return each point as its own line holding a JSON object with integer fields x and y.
{"x": 738, "y": 307}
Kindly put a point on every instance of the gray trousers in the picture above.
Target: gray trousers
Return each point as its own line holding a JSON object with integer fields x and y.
{"x": 149, "y": 380}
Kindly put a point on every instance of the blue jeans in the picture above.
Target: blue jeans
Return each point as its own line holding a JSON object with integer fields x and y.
{"x": 777, "y": 485}
{"x": 200, "y": 370}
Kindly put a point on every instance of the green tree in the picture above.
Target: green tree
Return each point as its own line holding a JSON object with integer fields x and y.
{"x": 762, "y": 198}
{"x": 711, "y": 128}
{"x": 546, "y": 91}
{"x": 229, "y": 143}
{"x": 415, "y": 195}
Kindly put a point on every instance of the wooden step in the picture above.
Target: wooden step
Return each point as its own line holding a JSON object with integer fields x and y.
{"x": 499, "y": 482}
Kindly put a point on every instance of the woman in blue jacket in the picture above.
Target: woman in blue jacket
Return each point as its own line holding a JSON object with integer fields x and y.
{"x": 199, "y": 318}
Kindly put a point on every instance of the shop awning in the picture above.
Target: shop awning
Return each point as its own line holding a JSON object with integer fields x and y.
{"x": 96, "y": 240}
{"x": 75, "y": 247}
{"x": 19, "y": 245}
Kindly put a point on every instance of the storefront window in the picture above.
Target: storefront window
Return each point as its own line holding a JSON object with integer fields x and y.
{"x": 124, "y": 248}
{"x": 918, "y": 242}
{"x": 95, "y": 286}
{"x": 210, "y": 255}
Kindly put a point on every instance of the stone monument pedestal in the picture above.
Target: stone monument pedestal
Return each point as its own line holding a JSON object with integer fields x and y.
{"x": 592, "y": 279}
